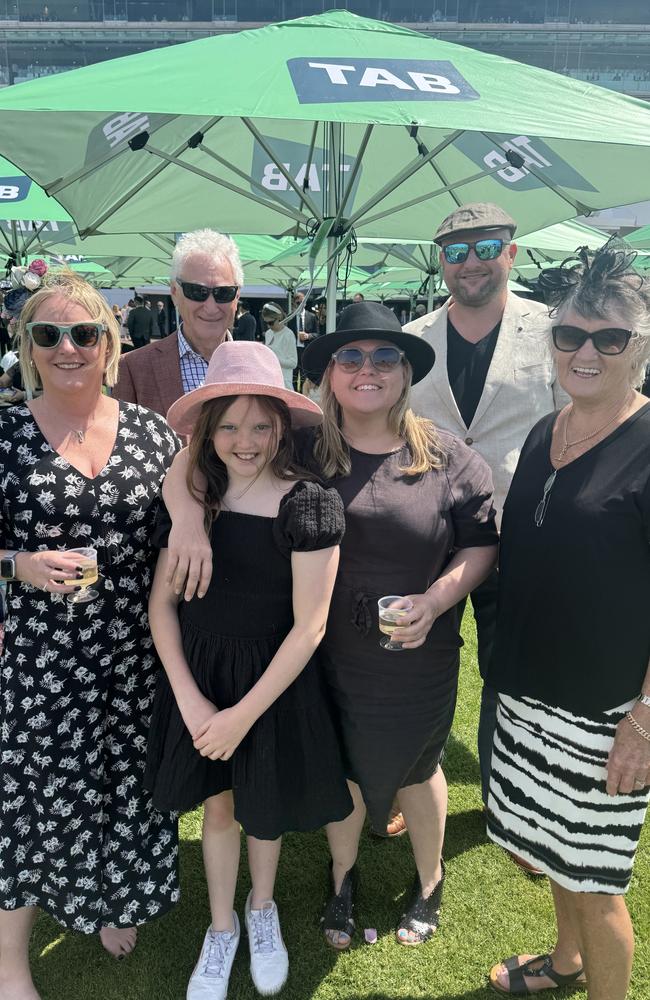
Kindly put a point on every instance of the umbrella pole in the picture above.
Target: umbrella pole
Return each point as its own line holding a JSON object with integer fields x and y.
{"x": 333, "y": 180}
{"x": 430, "y": 299}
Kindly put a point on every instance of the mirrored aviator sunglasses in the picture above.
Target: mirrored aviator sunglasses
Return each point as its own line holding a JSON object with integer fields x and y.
{"x": 383, "y": 359}
{"x": 49, "y": 335}
{"x": 201, "y": 293}
{"x": 457, "y": 253}
{"x": 612, "y": 340}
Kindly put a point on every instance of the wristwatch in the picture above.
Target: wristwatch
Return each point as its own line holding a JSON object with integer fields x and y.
{"x": 8, "y": 566}
{"x": 644, "y": 699}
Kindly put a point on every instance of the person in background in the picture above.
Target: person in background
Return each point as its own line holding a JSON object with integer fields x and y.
{"x": 281, "y": 339}
{"x": 358, "y": 297}
{"x": 245, "y": 327}
{"x": 12, "y": 390}
{"x": 494, "y": 379}
{"x": 570, "y": 774}
{"x": 206, "y": 277}
{"x": 117, "y": 312}
{"x": 140, "y": 323}
{"x": 161, "y": 318}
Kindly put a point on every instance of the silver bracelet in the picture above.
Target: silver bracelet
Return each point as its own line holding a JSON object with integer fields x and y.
{"x": 635, "y": 725}
{"x": 644, "y": 699}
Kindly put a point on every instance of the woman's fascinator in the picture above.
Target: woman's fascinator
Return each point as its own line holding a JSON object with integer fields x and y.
{"x": 589, "y": 272}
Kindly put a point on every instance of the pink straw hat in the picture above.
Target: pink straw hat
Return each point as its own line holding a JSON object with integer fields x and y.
{"x": 242, "y": 368}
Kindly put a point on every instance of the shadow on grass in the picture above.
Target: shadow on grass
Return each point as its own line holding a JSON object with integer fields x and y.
{"x": 461, "y": 764}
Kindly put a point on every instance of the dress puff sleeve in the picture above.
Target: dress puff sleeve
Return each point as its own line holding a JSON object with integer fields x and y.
{"x": 470, "y": 482}
{"x": 162, "y": 527}
{"x": 310, "y": 518}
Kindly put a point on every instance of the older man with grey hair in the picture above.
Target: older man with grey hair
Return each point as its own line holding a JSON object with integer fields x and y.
{"x": 206, "y": 280}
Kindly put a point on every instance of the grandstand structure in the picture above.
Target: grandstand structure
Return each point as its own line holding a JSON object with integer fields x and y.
{"x": 592, "y": 40}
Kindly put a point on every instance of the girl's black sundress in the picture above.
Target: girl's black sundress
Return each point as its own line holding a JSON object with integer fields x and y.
{"x": 79, "y": 836}
{"x": 287, "y": 773}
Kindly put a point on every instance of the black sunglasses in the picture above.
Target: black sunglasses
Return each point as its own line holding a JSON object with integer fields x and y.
{"x": 457, "y": 253}
{"x": 201, "y": 293}
{"x": 50, "y": 335}
{"x": 383, "y": 359}
{"x": 611, "y": 340}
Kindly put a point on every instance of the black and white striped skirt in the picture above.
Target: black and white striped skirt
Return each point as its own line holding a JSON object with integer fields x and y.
{"x": 548, "y": 802}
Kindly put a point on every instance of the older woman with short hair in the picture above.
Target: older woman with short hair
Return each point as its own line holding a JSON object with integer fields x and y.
{"x": 80, "y": 477}
{"x": 571, "y": 760}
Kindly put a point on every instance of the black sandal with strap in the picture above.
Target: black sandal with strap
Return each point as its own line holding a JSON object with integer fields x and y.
{"x": 339, "y": 909}
{"x": 518, "y": 972}
{"x": 422, "y": 917}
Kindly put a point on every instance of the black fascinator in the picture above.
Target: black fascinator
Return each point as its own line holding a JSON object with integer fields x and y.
{"x": 588, "y": 273}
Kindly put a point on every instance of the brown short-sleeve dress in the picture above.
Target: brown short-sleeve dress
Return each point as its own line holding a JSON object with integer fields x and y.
{"x": 395, "y": 709}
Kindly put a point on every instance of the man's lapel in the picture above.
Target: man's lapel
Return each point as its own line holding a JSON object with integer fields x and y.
{"x": 166, "y": 371}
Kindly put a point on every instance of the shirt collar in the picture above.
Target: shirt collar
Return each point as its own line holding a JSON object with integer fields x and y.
{"x": 185, "y": 348}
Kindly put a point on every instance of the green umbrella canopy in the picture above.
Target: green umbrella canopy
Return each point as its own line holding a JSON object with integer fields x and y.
{"x": 640, "y": 238}
{"x": 334, "y": 115}
{"x": 27, "y": 214}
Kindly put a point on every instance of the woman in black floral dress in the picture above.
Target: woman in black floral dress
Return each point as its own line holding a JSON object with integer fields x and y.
{"x": 80, "y": 837}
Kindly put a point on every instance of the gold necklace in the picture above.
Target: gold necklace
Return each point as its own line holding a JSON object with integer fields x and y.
{"x": 571, "y": 444}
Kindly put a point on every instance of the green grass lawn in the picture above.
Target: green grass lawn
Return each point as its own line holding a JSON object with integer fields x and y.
{"x": 490, "y": 911}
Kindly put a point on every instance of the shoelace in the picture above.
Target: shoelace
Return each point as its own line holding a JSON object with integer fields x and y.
{"x": 218, "y": 948}
{"x": 263, "y": 930}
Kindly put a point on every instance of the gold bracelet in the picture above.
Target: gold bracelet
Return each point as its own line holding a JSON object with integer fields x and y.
{"x": 635, "y": 725}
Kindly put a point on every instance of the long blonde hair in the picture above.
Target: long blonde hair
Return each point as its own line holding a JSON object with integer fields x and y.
{"x": 331, "y": 449}
{"x": 71, "y": 286}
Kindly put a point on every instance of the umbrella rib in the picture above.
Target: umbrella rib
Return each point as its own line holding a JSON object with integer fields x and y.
{"x": 302, "y": 194}
{"x": 240, "y": 173}
{"x": 275, "y": 206}
{"x": 405, "y": 174}
{"x": 580, "y": 208}
{"x": 35, "y": 234}
{"x": 354, "y": 173}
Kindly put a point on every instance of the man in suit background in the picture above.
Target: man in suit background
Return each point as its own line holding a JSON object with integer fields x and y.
{"x": 245, "y": 326}
{"x": 305, "y": 326}
{"x": 161, "y": 318}
{"x": 140, "y": 323}
{"x": 493, "y": 379}
{"x": 206, "y": 278}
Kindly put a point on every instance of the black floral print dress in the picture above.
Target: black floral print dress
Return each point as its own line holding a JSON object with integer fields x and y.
{"x": 79, "y": 836}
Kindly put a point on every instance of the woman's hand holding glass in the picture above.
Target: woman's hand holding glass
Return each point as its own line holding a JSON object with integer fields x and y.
{"x": 416, "y": 624}
{"x": 221, "y": 735}
{"x": 47, "y": 570}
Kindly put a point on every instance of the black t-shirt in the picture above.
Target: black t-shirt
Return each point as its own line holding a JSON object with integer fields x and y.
{"x": 467, "y": 368}
{"x": 573, "y": 625}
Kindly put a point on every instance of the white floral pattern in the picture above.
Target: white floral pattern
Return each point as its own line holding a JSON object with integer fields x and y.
{"x": 79, "y": 836}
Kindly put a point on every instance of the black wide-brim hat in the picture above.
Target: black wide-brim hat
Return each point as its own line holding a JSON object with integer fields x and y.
{"x": 368, "y": 321}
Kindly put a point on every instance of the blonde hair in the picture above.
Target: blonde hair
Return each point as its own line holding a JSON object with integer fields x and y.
{"x": 331, "y": 449}
{"x": 71, "y": 286}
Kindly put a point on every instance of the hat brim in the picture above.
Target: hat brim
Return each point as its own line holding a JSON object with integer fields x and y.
{"x": 474, "y": 229}
{"x": 183, "y": 414}
{"x": 420, "y": 354}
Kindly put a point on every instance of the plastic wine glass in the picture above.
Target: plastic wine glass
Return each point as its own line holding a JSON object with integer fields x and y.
{"x": 88, "y": 564}
{"x": 391, "y": 609}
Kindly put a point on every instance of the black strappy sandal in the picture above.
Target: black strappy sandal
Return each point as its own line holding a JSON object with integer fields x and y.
{"x": 339, "y": 908}
{"x": 422, "y": 917}
{"x": 518, "y": 973}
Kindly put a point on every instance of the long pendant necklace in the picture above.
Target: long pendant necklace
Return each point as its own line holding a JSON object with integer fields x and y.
{"x": 571, "y": 444}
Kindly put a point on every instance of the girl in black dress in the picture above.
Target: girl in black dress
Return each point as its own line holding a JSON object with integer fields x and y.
{"x": 240, "y": 722}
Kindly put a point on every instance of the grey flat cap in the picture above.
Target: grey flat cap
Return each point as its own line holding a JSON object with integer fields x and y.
{"x": 477, "y": 215}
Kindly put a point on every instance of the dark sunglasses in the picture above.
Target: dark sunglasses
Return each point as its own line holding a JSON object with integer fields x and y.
{"x": 201, "y": 293}
{"x": 383, "y": 359}
{"x": 611, "y": 340}
{"x": 457, "y": 253}
{"x": 50, "y": 335}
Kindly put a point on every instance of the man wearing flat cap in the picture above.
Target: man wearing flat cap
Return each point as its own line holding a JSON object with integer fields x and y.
{"x": 492, "y": 381}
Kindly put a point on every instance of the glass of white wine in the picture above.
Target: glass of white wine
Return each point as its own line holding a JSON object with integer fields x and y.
{"x": 88, "y": 564}
{"x": 391, "y": 609}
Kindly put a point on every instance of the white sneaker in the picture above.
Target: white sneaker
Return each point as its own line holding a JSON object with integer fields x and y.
{"x": 269, "y": 959}
{"x": 209, "y": 981}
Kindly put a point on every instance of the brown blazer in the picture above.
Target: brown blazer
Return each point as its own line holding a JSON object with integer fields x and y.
{"x": 151, "y": 376}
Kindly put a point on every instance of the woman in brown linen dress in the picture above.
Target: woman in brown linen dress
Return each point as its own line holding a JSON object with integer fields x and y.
{"x": 419, "y": 523}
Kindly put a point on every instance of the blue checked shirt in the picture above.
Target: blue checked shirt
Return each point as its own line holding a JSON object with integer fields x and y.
{"x": 193, "y": 365}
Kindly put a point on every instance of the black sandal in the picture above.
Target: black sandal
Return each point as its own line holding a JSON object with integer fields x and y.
{"x": 518, "y": 973}
{"x": 337, "y": 914}
{"x": 422, "y": 917}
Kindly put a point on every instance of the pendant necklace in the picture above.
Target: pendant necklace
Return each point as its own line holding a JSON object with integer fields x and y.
{"x": 571, "y": 444}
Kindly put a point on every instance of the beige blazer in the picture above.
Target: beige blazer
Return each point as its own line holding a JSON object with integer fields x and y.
{"x": 520, "y": 388}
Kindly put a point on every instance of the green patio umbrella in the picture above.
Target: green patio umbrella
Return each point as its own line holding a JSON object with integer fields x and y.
{"x": 337, "y": 123}
{"x": 29, "y": 219}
